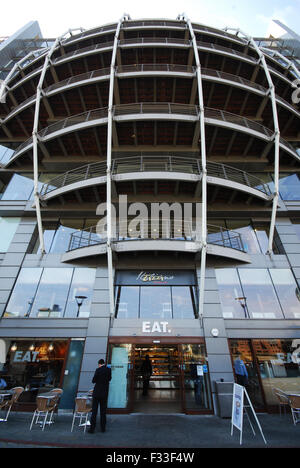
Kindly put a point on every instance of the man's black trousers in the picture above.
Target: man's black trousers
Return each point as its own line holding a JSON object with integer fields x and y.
{"x": 103, "y": 405}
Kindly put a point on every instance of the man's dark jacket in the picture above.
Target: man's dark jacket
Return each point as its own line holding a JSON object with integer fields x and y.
{"x": 101, "y": 378}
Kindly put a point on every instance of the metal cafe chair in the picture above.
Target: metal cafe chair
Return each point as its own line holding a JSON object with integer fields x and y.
{"x": 45, "y": 405}
{"x": 82, "y": 410}
{"x": 282, "y": 399}
{"x": 295, "y": 407}
{"x": 7, "y": 404}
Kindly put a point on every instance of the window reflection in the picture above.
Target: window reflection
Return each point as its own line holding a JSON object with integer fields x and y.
{"x": 230, "y": 290}
{"x": 51, "y": 292}
{"x": 157, "y": 302}
{"x": 287, "y": 291}
{"x": 289, "y": 187}
{"x": 260, "y": 296}
{"x": 183, "y": 302}
{"x": 21, "y": 300}
{"x": 244, "y": 228}
{"x": 258, "y": 293}
{"x": 61, "y": 238}
{"x": 20, "y": 187}
{"x": 278, "y": 362}
{"x": 128, "y": 302}
{"x": 57, "y": 234}
{"x": 82, "y": 286}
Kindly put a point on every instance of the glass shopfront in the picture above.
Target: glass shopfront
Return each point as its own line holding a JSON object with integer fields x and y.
{"x": 270, "y": 364}
{"x": 156, "y": 294}
{"x": 39, "y": 365}
{"x": 179, "y": 381}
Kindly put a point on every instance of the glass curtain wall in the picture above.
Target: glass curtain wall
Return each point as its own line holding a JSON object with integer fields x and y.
{"x": 57, "y": 234}
{"x": 258, "y": 293}
{"x": 254, "y": 234}
{"x": 156, "y": 302}
{"x": 52, "y": 292}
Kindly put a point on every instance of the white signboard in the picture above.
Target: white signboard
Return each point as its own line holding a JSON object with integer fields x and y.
{"x": 238, "y": 407}
{"x": 240, "y": 403}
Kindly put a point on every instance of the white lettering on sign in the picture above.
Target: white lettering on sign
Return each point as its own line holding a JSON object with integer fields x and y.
{"x": 159, "y": 327}
{"x": 28, "y": 356}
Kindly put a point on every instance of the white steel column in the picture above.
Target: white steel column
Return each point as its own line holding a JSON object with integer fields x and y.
{"x": 276, "y": 134}
{"x": 108, "y": 167}
{"x": 35, "y": 137}
{"x": 204, "y": 170}
{"x": 3, "y": 85}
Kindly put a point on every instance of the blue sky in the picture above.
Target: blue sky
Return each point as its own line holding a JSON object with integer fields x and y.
{"x": 57, "y": 16}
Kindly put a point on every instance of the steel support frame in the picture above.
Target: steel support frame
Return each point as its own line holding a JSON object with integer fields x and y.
{"x": 204, "y": 169}
{"x": 276, "y": 136}
{"x": 109, "y": 167}
{"x": 4, "y": 84}
{"x": 35, "y": 137}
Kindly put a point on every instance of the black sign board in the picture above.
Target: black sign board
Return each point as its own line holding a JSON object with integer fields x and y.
{"x": 155, "y": 278}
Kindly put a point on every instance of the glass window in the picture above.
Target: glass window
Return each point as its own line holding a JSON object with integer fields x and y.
{"x": 21, "y": 300}
{"x": 62, "y": 236}
{"x": 128, "y": 302}
{"x": 20, "y": 187}
{"x": 49, "y": 230}
{"x": 287, "y": 292}
{"x": 241, "y": 350}
{"x": 51, "y": 296}
{"x": 231, "y": 294}
{"x": 196, "y": 378}
{"x": 259, "y": 295}
{"x": 183, "y": 301}
{"x": 278, "y": 362}
{"x": 289, "y": 187}
{"x": 156, "y": 302}
{"x": 81, "y": 291}
{"x": 5, "y": 153}
{"x": 35, "y": 365}
{"x": 247, "y": 232}
{"x": 8, "y": 227}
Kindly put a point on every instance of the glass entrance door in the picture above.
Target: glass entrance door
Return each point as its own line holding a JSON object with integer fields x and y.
{"x": 157, "y": 389}
{"x": 195, "y": 378}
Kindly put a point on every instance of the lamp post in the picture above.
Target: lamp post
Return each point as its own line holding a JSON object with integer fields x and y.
{"x": 79, "y": 300}
{"x": 243, "y": 302}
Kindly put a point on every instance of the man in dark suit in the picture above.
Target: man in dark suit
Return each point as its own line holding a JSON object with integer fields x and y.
{"x": 101, "y": 380}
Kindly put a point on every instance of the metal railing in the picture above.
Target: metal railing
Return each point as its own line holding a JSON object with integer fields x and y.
{"x": 154, "y": 108}
{"x": 156, "y": 229}
{"x": 159, "y": 163}
{"x": 144, "y": 68}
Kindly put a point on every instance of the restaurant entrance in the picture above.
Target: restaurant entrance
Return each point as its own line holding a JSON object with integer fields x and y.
{"x": 179, "y": 380}
{"x": 162, "y": 391}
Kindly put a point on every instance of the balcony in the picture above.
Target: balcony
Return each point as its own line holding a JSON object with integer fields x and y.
{"x": 154, "y": 113}
{"x": 151, "y": 167}
{"x": 156, "y": 235}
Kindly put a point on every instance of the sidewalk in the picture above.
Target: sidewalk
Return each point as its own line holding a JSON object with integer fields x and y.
{"x": 139, "y": 430}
